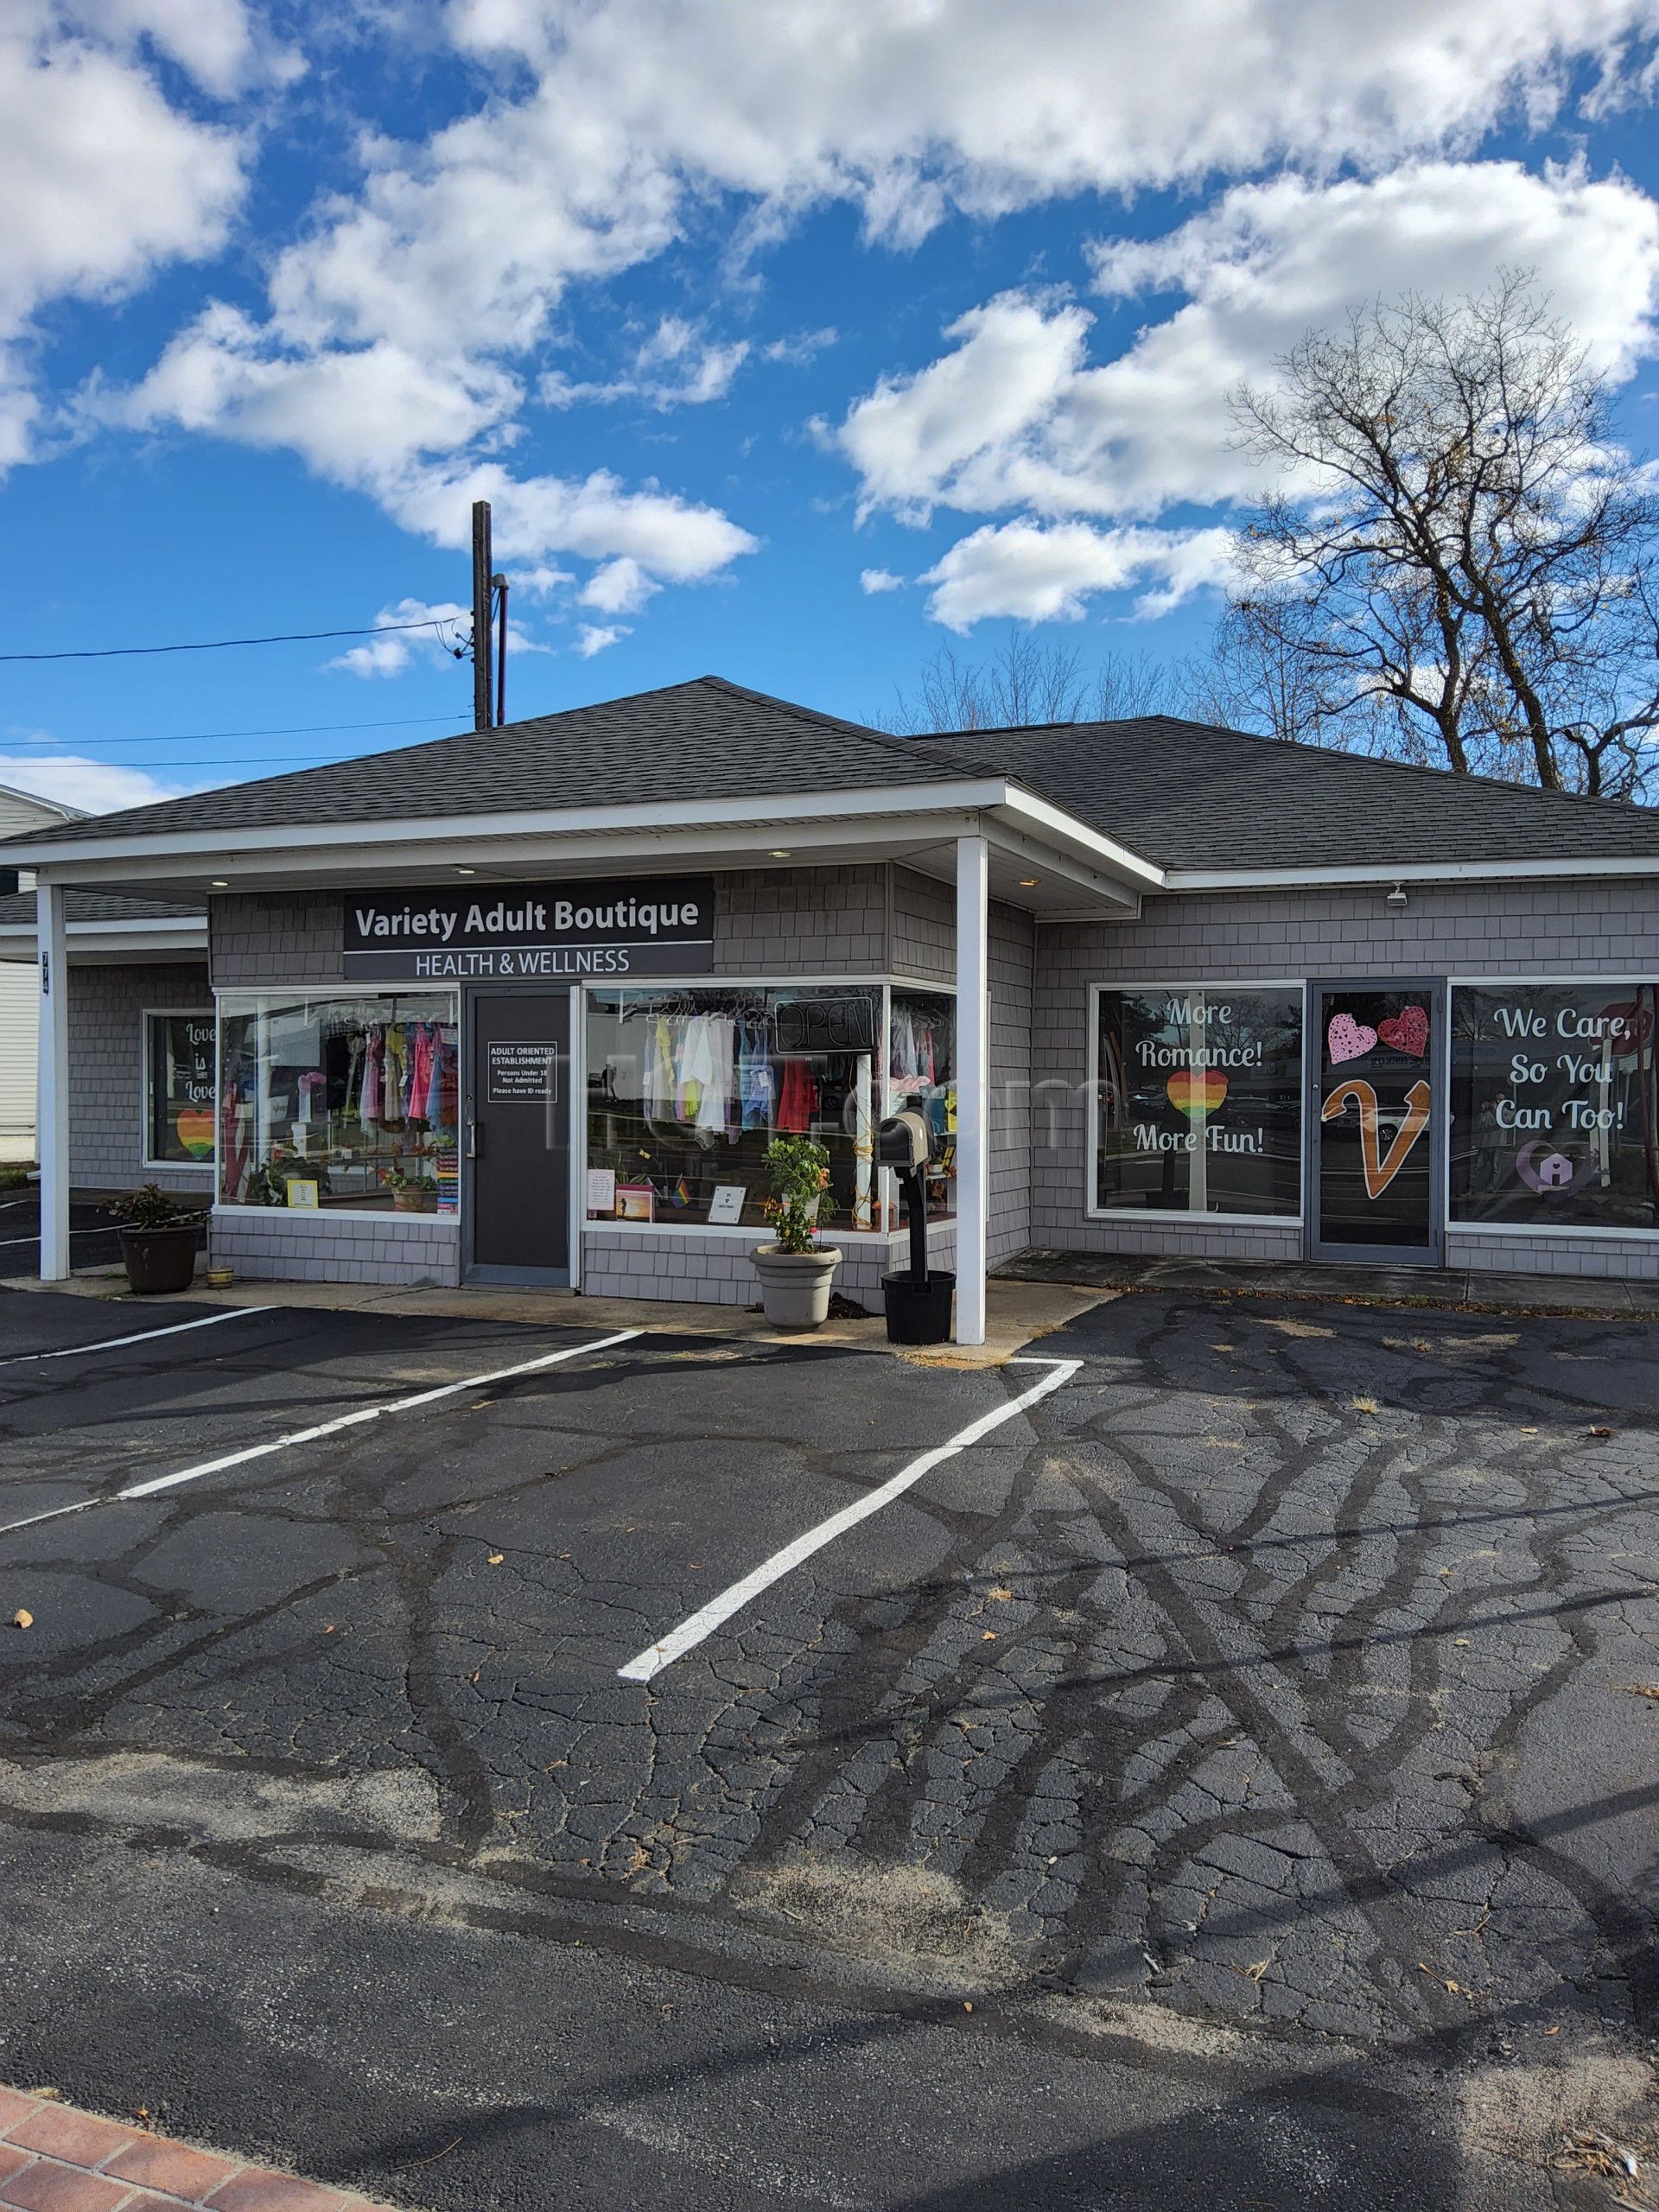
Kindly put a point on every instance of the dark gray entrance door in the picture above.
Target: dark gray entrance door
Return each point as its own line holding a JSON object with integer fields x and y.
{"x": 1378, "y": 1115}
{"x": 517, "y": 1136}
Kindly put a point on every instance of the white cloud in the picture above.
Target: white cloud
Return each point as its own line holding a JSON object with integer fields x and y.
{"x": 910, "y": 110}
{"x": 391, "y": 654}
{"x": 872, "y": 581}
{"x": 101, "y": 180}
{"x": 93, "y": 785}
{"x": 409, "y": 326}
{"x": 802, "y": 345}
{"x": 212, "y": 39}
{"x": 676, "y": 366}
{"x": 594, "y": 637}
{"x": 1015, "y": 415}
{"x": 622, "y": 587}
{"x": 1043, "y": 573}
{"x": 1016, "y": 418}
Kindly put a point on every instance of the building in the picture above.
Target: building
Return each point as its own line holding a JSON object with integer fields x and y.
{"x": 19, "y": 994}
{"x": 525, "y": 1005}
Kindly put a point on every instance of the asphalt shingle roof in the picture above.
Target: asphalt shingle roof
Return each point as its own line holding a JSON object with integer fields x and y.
{"x": 707, "y": 739}
{"x": 17, "y": 909}
{"x": 1184, "y": 795}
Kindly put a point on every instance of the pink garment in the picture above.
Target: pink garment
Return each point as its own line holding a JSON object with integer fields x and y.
{"x": 373, "y": 1065}
{"x": 419, "y": 1079}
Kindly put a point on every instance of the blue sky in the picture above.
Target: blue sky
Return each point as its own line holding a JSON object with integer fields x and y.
{"x": 788, "y": 341}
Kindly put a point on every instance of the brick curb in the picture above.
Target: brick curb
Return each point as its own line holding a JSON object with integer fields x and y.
{"x": 55, "y": 2157}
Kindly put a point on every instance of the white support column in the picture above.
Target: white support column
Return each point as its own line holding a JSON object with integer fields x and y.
{"x": 52, "y": 1141}
{"x": 973, "y": 1085}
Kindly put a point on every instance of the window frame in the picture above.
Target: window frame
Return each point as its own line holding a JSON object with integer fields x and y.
{"x": 883, "y": 984}
{"x": 146, "y": 1015}
{"x": 1125, "y": 1216}
{"x": 1453, "y": 1228}
{"x": 331, "y": 991}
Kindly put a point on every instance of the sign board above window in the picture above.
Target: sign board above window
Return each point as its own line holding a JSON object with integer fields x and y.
{"x": 532, "y": 932}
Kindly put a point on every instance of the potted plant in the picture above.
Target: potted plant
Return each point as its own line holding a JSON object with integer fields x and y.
{"x": 158, "y": 1240}
{"x": 796, "y": 1271}
{"x": 410, "y": 1193}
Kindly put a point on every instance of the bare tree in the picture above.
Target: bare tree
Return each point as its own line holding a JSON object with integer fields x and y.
{"x": 1030, "y": 682}
{"x": 1460, "y": 559}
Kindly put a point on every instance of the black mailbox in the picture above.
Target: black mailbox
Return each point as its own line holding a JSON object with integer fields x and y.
{"x": 903, "y": 1141}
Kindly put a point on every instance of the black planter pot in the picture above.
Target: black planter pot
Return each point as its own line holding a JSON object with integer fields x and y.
{"x": 920, "y": 1312}
{"x": 160, "y": 1260}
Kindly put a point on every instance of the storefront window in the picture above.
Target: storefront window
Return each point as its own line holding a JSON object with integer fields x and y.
{"x": 179, "y": 1090}
{"x": 1199, "y": 1096}
{"x": 687, "y": 1088}
{"x": 339, "y": 1102}
{"x": 922, "y": 1078}
{"x": 1554, "y": 1105}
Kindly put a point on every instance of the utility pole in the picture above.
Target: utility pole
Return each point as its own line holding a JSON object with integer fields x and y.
{"x": 483, "y": 572}
{"x": 500, "y": 583}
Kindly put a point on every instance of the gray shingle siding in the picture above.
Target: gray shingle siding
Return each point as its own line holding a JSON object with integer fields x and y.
{"x": 266, "y": 939}
{"x": 1012, "y": 953}
{"x": 1583, "y": 927}
{"x": 405, "y": 1249}
{"x": 923, "y": 927}
{"x": 106, "y": 1071}
{"x": 714, "y": 1270}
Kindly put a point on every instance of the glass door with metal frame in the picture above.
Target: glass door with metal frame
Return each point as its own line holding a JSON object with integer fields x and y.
{"x": 516, "y": 1137}
{"x": 1376, "y": 1074}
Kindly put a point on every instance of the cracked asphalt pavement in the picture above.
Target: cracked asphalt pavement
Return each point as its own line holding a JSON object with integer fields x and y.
{"x": 1230, "y": 1783}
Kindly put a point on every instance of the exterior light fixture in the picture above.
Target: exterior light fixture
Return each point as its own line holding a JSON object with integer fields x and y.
{"x": 1397, "y": 899}
{"x": 777, "y": 853}
{"x": 465, "y": 871}
{"x": 1029, "y": 883}
{"x": 219, "y": 883}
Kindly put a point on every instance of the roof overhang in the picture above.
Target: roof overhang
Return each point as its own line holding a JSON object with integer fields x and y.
{"x": 1360, "y": 872}
{"x": 100, "y": 943}
{"x": 1041, "y": 857}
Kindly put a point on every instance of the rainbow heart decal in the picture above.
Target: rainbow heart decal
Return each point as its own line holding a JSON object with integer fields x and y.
{"x": 195, "y": 1130}
{"x": 1195, "y": 1095}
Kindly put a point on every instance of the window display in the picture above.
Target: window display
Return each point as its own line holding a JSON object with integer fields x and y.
{"x": 341, "y": 1102}
{"x": 1200, "y": 1099}
{"x": 1555, "y": 1105}
{"x": 179, "y": 1090}
{"x": 922, "y": 1075}
{"x": 686, "y": 1089}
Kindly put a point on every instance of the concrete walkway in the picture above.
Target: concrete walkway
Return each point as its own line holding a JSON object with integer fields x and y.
{"x": 1475, "y": 1290}
{"x": 1016, "y": 1312}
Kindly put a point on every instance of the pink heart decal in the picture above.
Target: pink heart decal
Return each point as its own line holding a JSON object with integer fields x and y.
{"x": 1348, "y": 1040}
{"x": 1407, "y": 1032}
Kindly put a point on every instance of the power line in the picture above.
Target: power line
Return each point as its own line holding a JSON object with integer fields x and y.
{"x": 218, "y": 644}
{"x": 198, "y": 736}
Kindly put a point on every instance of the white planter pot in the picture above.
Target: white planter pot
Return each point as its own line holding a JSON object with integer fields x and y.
{"x": 795, "y": 1285}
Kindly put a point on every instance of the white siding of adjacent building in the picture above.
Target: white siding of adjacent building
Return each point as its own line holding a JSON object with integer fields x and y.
{"x": 20, "y": 1016}
{"x": 20, "y": 1010}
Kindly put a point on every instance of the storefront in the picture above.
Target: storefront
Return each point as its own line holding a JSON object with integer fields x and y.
{"x": 1134, "y": 977}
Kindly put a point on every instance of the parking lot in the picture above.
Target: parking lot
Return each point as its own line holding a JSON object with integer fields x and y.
{"x": 1266, "y": 1668}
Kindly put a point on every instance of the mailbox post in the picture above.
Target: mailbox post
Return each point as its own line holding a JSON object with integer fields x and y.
{"x": 917, "y": 1299}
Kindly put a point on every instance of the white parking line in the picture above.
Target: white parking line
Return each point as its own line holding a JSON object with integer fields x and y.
{"x": 95, "y": 1229}
{"x": 691, "y": 1633}
{"x": 313, "y": 1435}
{"x": 144, "y": 1337}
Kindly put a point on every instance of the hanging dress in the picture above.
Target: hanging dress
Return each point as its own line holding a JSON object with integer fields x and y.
{"x": 374, "y": 1062}
{"x": 798, "y": 1101}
